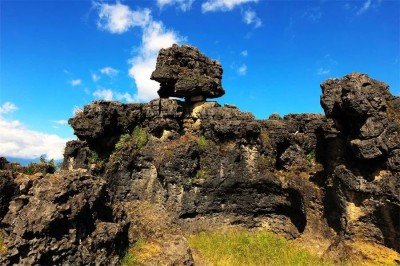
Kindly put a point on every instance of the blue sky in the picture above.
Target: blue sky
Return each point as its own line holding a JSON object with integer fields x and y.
{"x": 57, "y": 56}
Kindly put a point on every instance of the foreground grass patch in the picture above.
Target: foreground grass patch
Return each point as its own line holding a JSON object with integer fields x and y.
{"x": 236, "y": 248}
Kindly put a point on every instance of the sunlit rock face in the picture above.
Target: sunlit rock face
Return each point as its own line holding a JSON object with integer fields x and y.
{"x": 170, "y": 167}
{"x": 183, "y": 71}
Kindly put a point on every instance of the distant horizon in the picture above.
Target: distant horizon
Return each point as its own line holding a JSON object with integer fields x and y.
{"x": 58, "y": 56}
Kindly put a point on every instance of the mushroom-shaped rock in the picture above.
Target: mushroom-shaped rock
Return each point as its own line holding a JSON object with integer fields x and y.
{"x": 183, "y": 71}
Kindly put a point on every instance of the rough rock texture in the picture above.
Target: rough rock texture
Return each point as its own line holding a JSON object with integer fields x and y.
{"x": 183, "y": 71}
{"x": 169, "y": 167}
{"x": 362, "y": 159}
{"x": 63, "y": 219}
{"x": 332, "y": 178}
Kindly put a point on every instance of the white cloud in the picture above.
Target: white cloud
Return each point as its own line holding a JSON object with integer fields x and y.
{"x": 75, "y": 82}
{"x": 95, "y": 77}
{"x": 184, "y": 5}
{"x": 323, "y": 71}
{"x": 60, "y": 122}
{"x": 18, "y": 141}
{"x": 365, "y": 7}
{"x": 8, "y": 107}
{"x": 124, "y": 96}
{"x": 222, "y": 5}
{"x": 104, "y": 94}
{"x": 242, "y": 70}
{"x": 109, "y": 71}
{"x": 244, "y": 53}
{"x": 250, "y": 17}
{"x": 154, "y": 37}
{"x": 119, "y": 18}
{"x": 313, "y": 13}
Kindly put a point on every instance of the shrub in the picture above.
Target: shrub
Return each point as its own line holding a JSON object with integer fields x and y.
{"x": 265, "y": 139}
{"x": 93, "y": 157}
{"x": 30, "y": 170}
{"x": 202, "y": 142}
{"x": 123, "y": 140}
{"x": 140, "y": 137}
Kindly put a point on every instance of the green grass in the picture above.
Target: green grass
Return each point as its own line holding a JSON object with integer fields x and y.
{"x": 140, "y": 136}
{"x": 236, "y": 248}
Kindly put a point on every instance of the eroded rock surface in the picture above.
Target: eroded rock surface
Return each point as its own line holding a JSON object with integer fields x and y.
{"x": 179, "y": 167}
{"x": 63, "y": 218}
{"x": 183, "y": 71}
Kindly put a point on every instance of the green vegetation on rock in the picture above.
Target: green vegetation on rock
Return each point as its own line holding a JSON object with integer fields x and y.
{"x": 3, "y": 247}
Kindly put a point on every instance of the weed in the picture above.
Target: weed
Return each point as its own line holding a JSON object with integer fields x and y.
{"x": 202, "y": 142}
{"x": 3, "y": 247}
{"x": 310, "y": 159}
{"x": 140, "y": 252}
{"x": 93, "y": 157}
{"x": 264, "y": 163}
{"x": 123, "y": 140}
{"x": 265, "y": 139}
{"x": 30, "y": 170}
{"x": 140, "y": 137}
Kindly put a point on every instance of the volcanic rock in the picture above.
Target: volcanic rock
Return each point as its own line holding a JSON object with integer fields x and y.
{"x": 183, "y": 71}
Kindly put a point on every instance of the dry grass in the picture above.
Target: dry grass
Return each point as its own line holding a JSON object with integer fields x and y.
{"x": 140, "y": 253}
{"x": 3, "y": 247}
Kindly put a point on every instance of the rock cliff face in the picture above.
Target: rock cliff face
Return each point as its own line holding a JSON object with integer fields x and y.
{"x": 332, "y": 179}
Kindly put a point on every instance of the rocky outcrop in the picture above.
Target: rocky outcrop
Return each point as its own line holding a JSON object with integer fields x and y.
{"x": 361, "y": 163}
{"x": 206, "y": 162}
{"x": 183, "y": 71}
{"x": 63, "y": 218}
{"x": 177, "y": 167}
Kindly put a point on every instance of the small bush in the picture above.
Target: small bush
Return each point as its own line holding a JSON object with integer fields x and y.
{"x": 93, "y": 157}
{"x": 140, "y": 137}
{"x": 202, "y": 142}
{"x": 123, "y": 140}
{"x": 265, "y": 139}
{"x": 30, "y": 170}
{"x": 310, "y": 159}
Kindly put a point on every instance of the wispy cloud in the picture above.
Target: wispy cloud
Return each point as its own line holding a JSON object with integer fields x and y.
{"x": 95, "y": 77}
{"x": 184, "y": 5}
{"x": 120, "y": 18}
{"x": 242, "y": 70}
{"x": 75, "y": 82}
{"x": 365, "y": 7}
{"x": 8, "y": 107}
{"x": 109, "y": 71}
{"x": 222, "y": 5}
{"x": 104, "y": 94}
{"x": 313, "y": 13}
{"x": 60, "y": 122}
{"x": 322, "y": 71}
{"x": 124, "y": 97}
{"x": 250, "y": 17}
{"x": 244, "y": 53}
{"x": 154, "y": 37}
{"x": 18, "y": 141}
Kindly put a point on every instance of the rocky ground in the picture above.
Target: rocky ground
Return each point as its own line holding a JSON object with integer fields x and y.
{"x": 161, "y": 169}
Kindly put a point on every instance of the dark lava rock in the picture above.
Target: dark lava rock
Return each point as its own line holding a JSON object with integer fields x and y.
{"x": 8, "y": 189}
{"x": 63, "y": 219}
{"x": 183, "y": 71}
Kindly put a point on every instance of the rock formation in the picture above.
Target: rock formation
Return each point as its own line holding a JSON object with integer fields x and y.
{"x": 169, "y": 167}
{"x": 183, "y": 71}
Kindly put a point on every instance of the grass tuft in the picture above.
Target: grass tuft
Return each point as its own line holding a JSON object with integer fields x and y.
{"x": 3, "y": 247}
{"x": 236, "y": 248}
